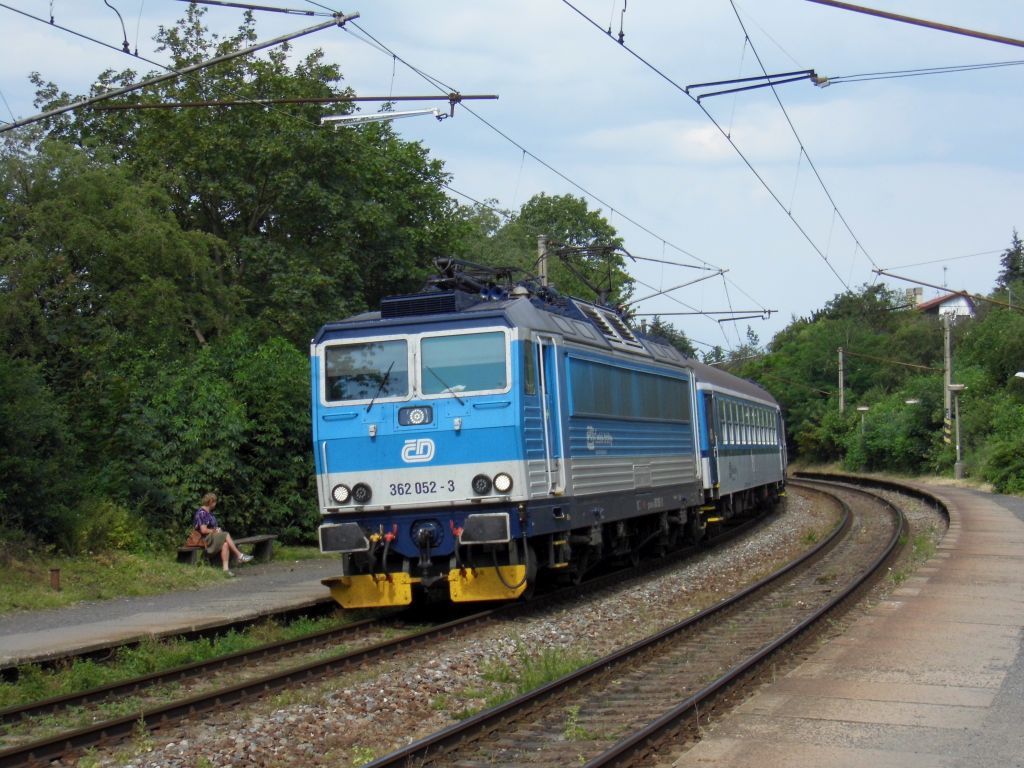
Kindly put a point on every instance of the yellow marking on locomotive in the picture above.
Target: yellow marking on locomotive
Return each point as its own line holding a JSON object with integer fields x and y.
{"x": 708, "y": 508}
{"x": 714, "y": 519}
{"x": 371, "y": 590}
{"x": 467, "y": 585}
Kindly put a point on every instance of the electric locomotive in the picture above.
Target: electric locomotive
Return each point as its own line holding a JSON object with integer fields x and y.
{"x": 476, "y": 435}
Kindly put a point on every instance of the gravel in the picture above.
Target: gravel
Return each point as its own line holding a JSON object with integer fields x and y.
{"x": 357, "y": 716}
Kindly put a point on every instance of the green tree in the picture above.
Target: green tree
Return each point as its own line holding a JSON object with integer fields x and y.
{"x": 995, "y": 342}
{"x": 671, "y": 334}
{"x": 163, "y": 271}
{"x": 881, "y": 340}
{"x": 584, "y": 259}
{"x": 39, "y": 463}
{"x": 1012, "y": 262}
{"x": 233, "y": 419}
{"x": 320, "y": 223}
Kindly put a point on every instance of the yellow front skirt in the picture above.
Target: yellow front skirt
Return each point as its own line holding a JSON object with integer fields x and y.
{"x": 465, "y": 585}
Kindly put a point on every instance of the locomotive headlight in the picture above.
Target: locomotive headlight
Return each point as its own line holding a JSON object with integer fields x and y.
{"x": 481, "y": 485}
{"x": 503, "y": 482}
{"x": 415, "y": 416}
{"x": 340, "y": 494}
{"x": 361, "y": 493}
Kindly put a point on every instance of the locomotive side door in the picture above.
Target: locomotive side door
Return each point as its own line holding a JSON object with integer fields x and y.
{"x": 551, "y": 411}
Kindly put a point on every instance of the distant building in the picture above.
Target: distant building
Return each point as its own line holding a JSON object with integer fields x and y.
{"x": 957, "y": 304}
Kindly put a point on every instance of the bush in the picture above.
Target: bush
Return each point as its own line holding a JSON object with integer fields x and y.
{"x": 38, "y": 462}
{"x": 100, "y": 525}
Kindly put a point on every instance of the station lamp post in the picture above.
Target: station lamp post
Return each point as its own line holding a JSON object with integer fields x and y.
{"x": 863, "y": 409}
{"x": 956, "y": 389}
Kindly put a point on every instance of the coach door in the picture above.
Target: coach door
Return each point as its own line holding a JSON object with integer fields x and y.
{"x": 711, "y": 419}
{"x": 551, "y": 408}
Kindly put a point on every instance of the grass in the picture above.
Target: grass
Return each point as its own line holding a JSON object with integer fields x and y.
{"x": 524, "y": 672}
{"x": 35, "y": 683}
{"x": 810, "y": 537}
{"x": 922, "y": 549}
{"x": 363, "y": 755}
{"x": 573, "y": 730}
{"x": 25, "y": 578}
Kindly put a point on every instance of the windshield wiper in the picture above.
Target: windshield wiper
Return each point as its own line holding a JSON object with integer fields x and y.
{"x": 383, "y": 383}
{"x": 444, "y": 384}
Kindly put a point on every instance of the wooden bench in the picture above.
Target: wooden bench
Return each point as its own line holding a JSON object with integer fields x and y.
{"x": 262, "y": 550}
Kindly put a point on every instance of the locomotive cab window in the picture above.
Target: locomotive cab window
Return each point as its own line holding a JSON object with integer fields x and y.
{"x": 370, "y": 370}
{"x": 466, "y": 362}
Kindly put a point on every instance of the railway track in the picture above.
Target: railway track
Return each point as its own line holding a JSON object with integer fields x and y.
{"x": 347, "y": 634}
{"x": 154, "y": 716}
{"x": 632, "y": 706}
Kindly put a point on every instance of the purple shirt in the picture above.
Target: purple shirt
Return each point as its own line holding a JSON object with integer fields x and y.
{"x": 205, "y": 517}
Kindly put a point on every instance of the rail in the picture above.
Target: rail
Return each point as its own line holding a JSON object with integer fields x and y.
{"x": 490, "y": 737}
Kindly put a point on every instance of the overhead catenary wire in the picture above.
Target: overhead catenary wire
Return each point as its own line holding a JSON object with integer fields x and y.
{"x": 803, "y": 147}
{"x": 746, "y": 161}
{"x": 944, "y": 289}
{"x": 437, "y": 83}
{"x": 453, "y": 98}
{"x": 174, "y": 73}
{"x": 526, "y": 152}
{"x": 682, "y": 303}
{"x": 252, "y": 7}
{"x": 920, "y": 72}
{"x": 117, "y": 92}
{"x": 6, "y": 104}
{"x": 441, "y": 85}
{"x": 51, "y": 22}
{"x": 755, "y": 312}
{"x": 878, "y": 359}
{"x": 949, "y": 258}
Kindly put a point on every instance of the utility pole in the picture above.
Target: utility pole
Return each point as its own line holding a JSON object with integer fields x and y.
{"x": 842, "y": 384}
{"x": 542, "y": 259}
{"x": 947, "y": 411}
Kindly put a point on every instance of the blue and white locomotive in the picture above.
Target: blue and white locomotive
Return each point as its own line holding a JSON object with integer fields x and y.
{"x": 473, "y": 437}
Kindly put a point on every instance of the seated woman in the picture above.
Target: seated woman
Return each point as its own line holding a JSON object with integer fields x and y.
{"x": 216, "y": 539}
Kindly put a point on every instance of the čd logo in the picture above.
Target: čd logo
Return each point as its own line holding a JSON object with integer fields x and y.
{"x": 418, "y": 451}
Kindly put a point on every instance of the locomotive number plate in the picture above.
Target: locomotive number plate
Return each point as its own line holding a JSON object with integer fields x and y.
{"x": 421, "y": 488}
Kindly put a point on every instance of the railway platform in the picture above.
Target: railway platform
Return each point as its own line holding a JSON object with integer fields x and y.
{"x": 36, "y": 636}
{"x": 933, "y": 676}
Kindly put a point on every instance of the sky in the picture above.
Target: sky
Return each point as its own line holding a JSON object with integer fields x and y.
{"x": 798, "y": 194}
